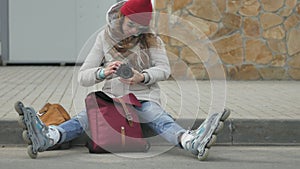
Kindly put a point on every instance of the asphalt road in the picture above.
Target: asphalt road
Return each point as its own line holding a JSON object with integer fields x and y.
{"x": 223, "y": 157}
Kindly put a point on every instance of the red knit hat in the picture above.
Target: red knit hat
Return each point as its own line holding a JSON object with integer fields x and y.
{"x": 139, "y": 11}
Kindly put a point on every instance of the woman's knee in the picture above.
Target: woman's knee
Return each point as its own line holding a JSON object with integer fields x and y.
{"x": 149, "y": 112}
{"x": 82, "y": 119}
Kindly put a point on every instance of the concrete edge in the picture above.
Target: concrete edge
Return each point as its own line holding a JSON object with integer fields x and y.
{"x": 235, "y": 132}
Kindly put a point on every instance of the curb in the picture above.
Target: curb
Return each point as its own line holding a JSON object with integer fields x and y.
{"x": 235, "y": 132}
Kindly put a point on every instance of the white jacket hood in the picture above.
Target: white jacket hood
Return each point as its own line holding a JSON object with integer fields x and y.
{"x": 112, "y": 13}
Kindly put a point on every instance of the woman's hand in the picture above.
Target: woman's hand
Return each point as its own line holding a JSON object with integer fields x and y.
{"x": 136, "y": 78}
{"x": 112, "y": 68}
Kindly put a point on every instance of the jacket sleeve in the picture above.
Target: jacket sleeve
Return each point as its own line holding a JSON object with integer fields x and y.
{"x": 160, "y": 67}
{"x": 87, "y": 75}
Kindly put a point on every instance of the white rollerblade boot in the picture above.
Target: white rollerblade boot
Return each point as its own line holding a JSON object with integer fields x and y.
{"x": 36, "y": 134}
{"x": 200, "y": 140}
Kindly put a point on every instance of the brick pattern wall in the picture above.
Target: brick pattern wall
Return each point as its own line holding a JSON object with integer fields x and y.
{"x": 254, "y": 39}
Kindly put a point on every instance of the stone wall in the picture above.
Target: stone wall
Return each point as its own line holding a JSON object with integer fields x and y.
{"x": 254, "y": 39}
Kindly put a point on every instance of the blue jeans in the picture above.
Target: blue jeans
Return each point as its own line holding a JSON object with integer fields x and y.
{"x": 150, "y": 113}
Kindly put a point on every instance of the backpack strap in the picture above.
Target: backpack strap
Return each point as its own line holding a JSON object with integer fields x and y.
{"x": 127, "y": 113}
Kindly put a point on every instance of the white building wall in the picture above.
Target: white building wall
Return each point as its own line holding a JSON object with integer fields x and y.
{"x": 52, "y": 31}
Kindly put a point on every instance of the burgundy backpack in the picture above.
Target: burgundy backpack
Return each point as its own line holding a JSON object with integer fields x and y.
{"x": 114, "y": 124}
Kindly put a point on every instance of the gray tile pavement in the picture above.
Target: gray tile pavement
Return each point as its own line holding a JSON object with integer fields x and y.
{"x": 36, "y": 85}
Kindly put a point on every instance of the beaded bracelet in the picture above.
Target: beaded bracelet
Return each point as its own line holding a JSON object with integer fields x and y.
{"x": 102, "y": 74}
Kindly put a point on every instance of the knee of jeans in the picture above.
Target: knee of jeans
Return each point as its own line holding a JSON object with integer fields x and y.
{"x": 163, "y": 122}
{"x": 82, "y": 119}
{"x": 149, "y": 112}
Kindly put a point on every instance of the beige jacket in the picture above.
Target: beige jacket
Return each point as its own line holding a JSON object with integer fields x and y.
{"x": 98, "y": 57}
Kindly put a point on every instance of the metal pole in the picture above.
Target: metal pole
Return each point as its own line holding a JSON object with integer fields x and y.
{"x": 4, "y": 33}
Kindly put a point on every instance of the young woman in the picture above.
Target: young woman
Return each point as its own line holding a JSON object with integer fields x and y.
{"x": 127, "y": 39}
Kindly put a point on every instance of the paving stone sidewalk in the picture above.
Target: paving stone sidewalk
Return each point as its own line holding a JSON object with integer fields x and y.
{"x": 36, "y": 85}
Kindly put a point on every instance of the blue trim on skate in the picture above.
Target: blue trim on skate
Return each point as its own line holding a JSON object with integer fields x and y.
{"x": 34, "y": 128}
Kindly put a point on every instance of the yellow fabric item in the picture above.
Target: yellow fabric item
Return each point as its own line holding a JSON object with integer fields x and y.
{"x": 53, "y": 114}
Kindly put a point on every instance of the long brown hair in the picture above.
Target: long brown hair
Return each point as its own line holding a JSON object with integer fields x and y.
{"x": 147, "y": 39}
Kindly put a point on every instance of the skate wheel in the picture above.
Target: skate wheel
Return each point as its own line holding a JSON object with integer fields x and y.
{"x": 212, "y": 141}
{"x": 31, "y": 153}
{"x": 18, "y": 107}
{"x": 21, "y": 122}
{"x": 204, "y": 155}
{"x": 225, "y": 115}
{"x": 25, "y": 137}
{"x": 219, "y": 127}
